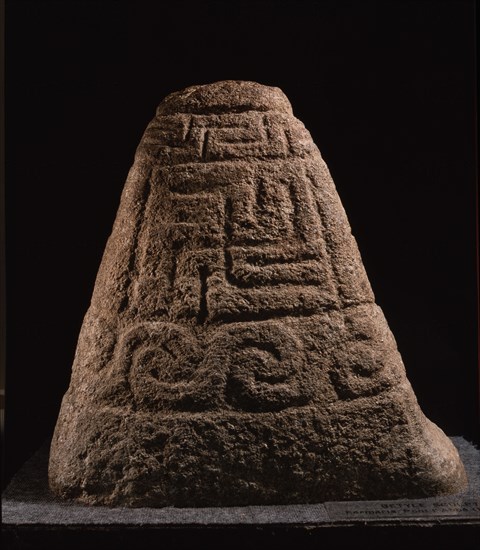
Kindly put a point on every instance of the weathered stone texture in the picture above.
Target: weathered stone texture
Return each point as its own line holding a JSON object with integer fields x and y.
{"x": 233, "y": 352}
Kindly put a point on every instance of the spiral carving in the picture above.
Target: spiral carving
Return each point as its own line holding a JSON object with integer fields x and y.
{"x": 163, "y": 366}
{"x": 265, "y": 366}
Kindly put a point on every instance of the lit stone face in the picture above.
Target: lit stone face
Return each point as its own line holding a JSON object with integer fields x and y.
{"x": 233, "y": 352}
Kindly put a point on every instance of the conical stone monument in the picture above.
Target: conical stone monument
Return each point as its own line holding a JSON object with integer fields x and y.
{"x": 233, "y": 352}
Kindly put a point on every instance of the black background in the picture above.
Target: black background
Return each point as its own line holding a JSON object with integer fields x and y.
{"x": 387, "y": 90}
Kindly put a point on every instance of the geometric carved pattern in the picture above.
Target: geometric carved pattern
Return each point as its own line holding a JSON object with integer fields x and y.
{"x": 182, "y": 139}
{"x": 363, "y": 363}
{"x": 266, "y": 367}
{"x": 166, "y": 369}
{"x": 160, "y": 359}
{"x": 246, "y": 248}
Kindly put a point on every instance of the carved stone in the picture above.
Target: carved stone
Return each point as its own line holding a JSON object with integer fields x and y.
{"x": 233, "y": 352}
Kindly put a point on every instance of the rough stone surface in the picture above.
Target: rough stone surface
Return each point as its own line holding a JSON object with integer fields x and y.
{"x": 233, "y": 352}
